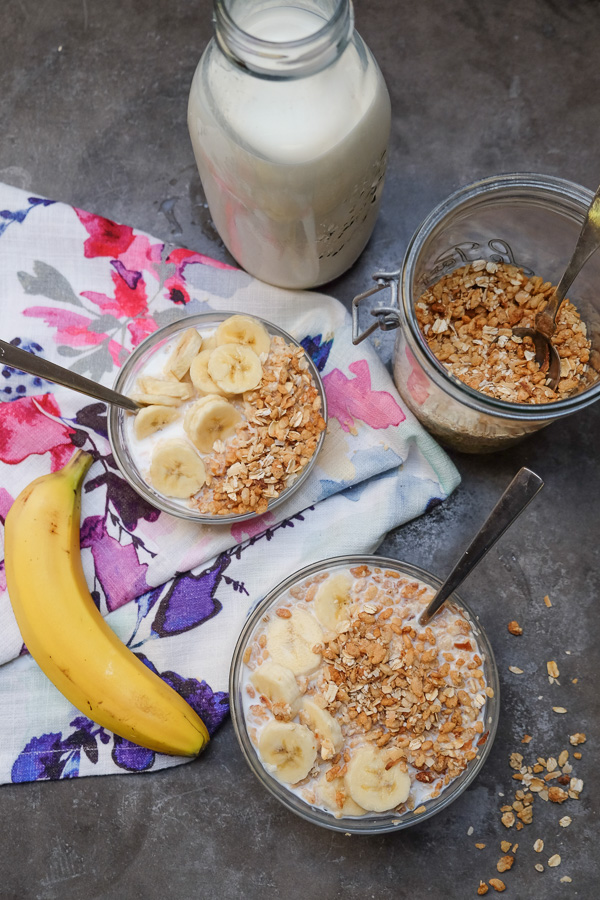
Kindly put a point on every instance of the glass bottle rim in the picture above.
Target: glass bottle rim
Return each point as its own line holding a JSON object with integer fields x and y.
{"x": 573, "y": 195}
{"x": 279, "y": 60}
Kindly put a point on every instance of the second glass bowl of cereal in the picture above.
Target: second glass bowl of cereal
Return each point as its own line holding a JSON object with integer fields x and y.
{"x": 349, "y": 713}
{"x": 266, "y": 451}
{"x": 527, "y": 221}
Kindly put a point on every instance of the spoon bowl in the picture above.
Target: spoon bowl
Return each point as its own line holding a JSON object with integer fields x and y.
{"x": 43, "y": 368}
{"x": 519, "y": 493}
{"x": 546, "y": 354}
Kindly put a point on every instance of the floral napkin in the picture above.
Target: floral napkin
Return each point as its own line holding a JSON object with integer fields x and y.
{"x": 83, "y": 291}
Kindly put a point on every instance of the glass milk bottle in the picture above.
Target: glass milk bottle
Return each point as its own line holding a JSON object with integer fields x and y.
{"x": 289, "y": 118}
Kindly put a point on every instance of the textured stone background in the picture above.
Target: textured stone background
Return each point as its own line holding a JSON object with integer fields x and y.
{"x": 92, "y": 111}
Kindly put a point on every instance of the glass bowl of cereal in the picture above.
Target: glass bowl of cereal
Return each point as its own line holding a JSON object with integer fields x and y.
{"x": 483, "y": 262}
{"x": 233, "y": 415}
{"x": 351, "y": 714}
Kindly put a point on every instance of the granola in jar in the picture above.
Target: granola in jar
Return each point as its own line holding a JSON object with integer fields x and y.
{"x": 467, "y": 319}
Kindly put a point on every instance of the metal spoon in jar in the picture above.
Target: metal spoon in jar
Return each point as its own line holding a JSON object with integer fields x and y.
{"x": 544, "y": 327}
{"x": 36, "y": 365}
{"x": 520, "y": 492}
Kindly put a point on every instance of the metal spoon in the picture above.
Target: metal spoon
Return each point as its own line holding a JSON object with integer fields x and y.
{"x": 545, "y": 322}
{"x": 36, "y": 365}
{"x": 520, "y": 492}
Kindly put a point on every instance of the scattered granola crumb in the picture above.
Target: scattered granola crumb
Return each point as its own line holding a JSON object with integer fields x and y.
{"x": 480, "y": 846}
{"x": 515, "y": 670}
{"x": 538, "y": 846}
{"x": 559, "y": 709}
{"x": 482, "y": 889}
{"x": 577, "y": 738}
{"x": 505, "y": 846}
{"x": 526, "y": 739}
{"x": 554, "y": 861}
{"x": 552, "y": 669}
{"x": 470, "y": 830}
{"x": 538, "y": 867}
{"x": 508, "y": 819}
{"x": 497, "y": 885}
{"x": 505, "y": 863}
{"x": 565, "y": 821}
{"x": 515, "y": 628}
{"x": 419, "y": 809}
{"x": 577, "y": 755}
{"x": 547, "y": 601}
{"x": 566, "y": 880}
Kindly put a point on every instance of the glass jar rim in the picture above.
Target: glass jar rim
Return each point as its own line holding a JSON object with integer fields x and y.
{"x": 557, "y": 188}
{"x": 284, "y": 59}
{"x": 379, "y": 823}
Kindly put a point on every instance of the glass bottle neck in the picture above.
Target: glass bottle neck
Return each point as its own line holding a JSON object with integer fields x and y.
{"x": 278, "y": 39}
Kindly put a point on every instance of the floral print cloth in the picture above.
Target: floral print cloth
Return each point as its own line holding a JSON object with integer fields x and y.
{"x": 83, "y": 291}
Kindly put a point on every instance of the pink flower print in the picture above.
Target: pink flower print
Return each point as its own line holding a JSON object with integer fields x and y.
{"x": 6, "y": 501}
{"x": 350, "y": 399}
{"x": 252, "y": 527}
{"x": 26, "y": 430}
{"x": 106, "y": 238}
{"x": 417, "y": 382}
{"x": 176, "y": 290}
{"x": 175, "y": 285}
{"x": 181, "y": 258}
{"x": 130, "y": 295}
{"x": 71, "y": 327}
{"x": 139, "y": 329}
{"x": 142, "y": 256}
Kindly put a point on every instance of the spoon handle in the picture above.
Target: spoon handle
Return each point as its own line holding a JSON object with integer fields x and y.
{"x": 587, "y": 242}
{"x": 520, "y": 492}
{"x": 36, "y": 365}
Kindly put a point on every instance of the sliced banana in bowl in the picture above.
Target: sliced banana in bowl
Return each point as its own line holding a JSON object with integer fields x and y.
{"x": 347, "y": 711}
{"x": 236, "y": 391}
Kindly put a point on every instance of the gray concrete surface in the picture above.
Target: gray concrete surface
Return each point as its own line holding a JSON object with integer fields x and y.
{"x": 92, "y": 112}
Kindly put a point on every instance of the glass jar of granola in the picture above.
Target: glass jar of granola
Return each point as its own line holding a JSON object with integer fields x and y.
{"x": 456, "y": 363}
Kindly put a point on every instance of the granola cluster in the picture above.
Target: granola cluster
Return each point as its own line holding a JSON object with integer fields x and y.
{"x": 281, "y": 427}
{"x": 467, "y": 318}
{"x": 392, "y": 684}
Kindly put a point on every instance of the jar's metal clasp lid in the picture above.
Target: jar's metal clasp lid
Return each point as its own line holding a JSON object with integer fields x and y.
{"x": 387, "y": 317}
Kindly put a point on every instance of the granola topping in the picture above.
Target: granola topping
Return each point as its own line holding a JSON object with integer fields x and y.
{"x": 273, "y": 429}
{"x": 467, "y": 319}
{"x": 414, "y": 697}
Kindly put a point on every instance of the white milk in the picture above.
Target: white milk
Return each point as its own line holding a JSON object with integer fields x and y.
{"x": 292, "y": 169}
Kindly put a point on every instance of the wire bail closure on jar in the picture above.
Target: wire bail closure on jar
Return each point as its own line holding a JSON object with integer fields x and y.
{"x": 388, "y": 317}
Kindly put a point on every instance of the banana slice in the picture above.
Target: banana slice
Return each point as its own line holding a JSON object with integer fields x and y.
{"x": 373, "y": 786}
{"x": 176, "y": 469}
{"x": 152, "y": 391}
{"x": 210, "y": 419}
{"x": 334, "y": 795}
{"x": 288, "y": 750}
{"x": 185, "y": 350}
{"x": 276, "y": 682}
{"x": 199, "y": 373}
{"x": 332, "y": 600}
{"x": 290, "y": 642}
{"x": 153, "y": 418}
{"x": 244, "y": 330}
{"x": 235, "y": 368}
{"x": 321, "y": 722}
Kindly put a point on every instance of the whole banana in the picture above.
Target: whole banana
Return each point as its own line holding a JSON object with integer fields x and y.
{"x": 66, "y": 634}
